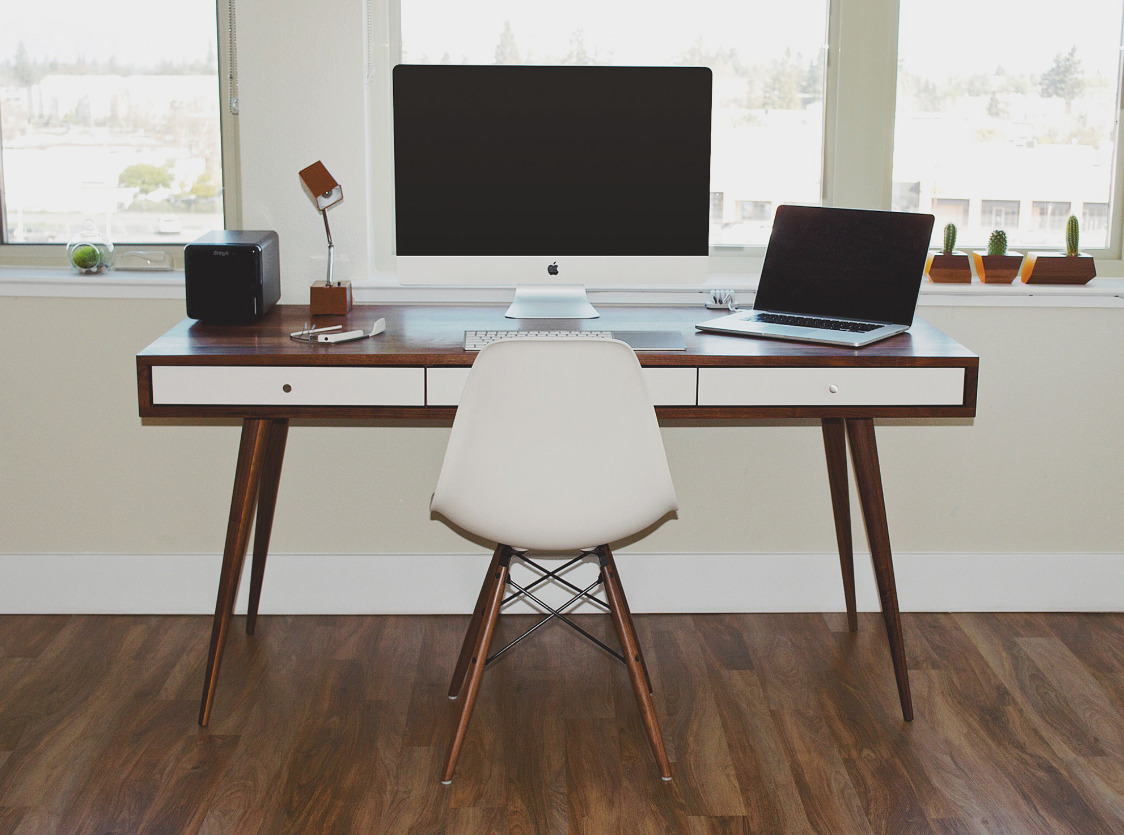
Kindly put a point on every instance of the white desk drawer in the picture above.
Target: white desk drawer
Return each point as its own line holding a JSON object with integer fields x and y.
{"x": 831, "y": 386}
{"x": 672, "y": 386}
{"x": 667, "y": 386}
{"x": 287, "y": 386}
{"x": 443, "y": 386}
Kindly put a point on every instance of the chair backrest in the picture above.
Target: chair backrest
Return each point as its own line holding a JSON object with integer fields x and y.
{"x": 555, "y": 446}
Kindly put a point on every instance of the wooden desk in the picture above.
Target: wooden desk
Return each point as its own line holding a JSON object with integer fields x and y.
{"x": 415, "y": 370}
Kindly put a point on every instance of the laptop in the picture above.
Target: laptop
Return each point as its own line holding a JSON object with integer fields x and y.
{"x": 845, "y": 277}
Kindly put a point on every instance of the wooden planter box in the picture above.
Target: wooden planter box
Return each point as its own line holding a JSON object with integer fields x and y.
{"x": 996, "y": 269}
{"x": 1057, "y": 268}
{"x": 948, "y": 269}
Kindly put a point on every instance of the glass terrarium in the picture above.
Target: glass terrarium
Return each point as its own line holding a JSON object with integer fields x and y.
{"x": 90, "y": 252}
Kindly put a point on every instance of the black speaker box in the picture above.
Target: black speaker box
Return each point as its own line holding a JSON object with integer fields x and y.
{"x": 232, "y": 276}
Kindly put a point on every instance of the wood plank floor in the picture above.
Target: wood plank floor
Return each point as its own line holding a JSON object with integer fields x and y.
{"x": 774, "y": 724}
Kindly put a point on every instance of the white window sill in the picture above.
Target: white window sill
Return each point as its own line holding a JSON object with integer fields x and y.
{"x": 63, "y": 283}
{"x": 114, "y": 284}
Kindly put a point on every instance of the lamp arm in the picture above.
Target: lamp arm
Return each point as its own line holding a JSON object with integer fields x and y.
{"x": 331, "y": 248}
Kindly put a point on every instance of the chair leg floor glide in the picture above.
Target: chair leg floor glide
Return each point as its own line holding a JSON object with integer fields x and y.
{"x": 474, "y": 656}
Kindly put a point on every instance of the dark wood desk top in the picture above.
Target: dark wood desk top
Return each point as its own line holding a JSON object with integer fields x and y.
{"x": 432, "y": 335}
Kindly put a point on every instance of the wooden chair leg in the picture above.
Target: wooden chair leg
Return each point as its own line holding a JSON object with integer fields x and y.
{"x": 478, "y": 658}
{"x": 864, "y": 454}
{"x": 267, "y": 504}
{"x": 624, "y": 603}
{"x": 835, "y": 448}
{"x": 474, "y": 625}
{"x": 634, "y": 660}
{"x": 247, "y": 476}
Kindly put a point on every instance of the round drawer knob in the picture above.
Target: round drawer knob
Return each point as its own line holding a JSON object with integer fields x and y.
{"x": 286, "y": 388}
{"x": 833, "y": 389}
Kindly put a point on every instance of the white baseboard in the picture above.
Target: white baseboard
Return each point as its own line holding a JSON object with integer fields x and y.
{"x": 448, "y": 583}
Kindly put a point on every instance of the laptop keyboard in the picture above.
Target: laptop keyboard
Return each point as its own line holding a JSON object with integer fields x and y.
{"x": 811, "y": 322}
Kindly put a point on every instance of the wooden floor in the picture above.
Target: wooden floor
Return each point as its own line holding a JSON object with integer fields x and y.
{"x": 774, "y": 724}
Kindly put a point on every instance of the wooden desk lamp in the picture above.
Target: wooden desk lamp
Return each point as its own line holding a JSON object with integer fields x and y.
{"x": 326, "y": 298}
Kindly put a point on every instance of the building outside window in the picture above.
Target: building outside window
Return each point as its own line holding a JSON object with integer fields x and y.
{"x": 110, "y": 113}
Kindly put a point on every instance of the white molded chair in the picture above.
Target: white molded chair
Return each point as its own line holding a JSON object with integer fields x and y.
{"x": 555, "y": 447}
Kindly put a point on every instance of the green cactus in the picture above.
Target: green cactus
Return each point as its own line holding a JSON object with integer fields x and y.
{"x": 949, "y": 239}
{"x": 1072, "y": 235}
{"x": 997, "y": 243}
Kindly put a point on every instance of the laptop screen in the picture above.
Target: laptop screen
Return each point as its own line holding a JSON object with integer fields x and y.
{"x": 845, "y": 263}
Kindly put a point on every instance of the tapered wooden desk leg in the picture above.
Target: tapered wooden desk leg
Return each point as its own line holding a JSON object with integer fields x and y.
{"x": 634, "y": 659}
{"x": 478, "y": 659}
{"x": 470, "y": 636}
{"x": 267, "y": 503}
{"x": 835, "y": 447}
{"x": 247, "y": 476}
{"x": 864, "y": 454}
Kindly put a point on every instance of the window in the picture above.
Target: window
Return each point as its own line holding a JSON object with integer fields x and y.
{"x": 759, "y": 210}
{"x": 947, "y": 210}
{"x": 1017, "y": 102}
{"x": 767, "y": 59}
{"x": 1049, "y": 216}
{"x": 1000, "y": 214}
{"x": 110, "y": 112}
{"x": 717, "y": 206}
{"x": 1094, "y": 218}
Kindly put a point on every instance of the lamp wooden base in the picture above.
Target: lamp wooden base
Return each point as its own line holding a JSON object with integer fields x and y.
{"x": 329, "y": 301}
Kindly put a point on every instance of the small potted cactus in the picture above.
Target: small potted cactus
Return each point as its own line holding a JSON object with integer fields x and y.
{"x": 996, "y": 266}
{"x": 949, "y": 265}
{"x": 1069, "y": 267}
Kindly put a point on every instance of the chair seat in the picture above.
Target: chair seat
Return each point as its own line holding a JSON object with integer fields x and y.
{"x": 555, "y": 446}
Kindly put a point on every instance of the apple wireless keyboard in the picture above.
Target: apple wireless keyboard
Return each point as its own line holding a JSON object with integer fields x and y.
{"x": 475, "y": 340}
{"x": 656, "y": 340}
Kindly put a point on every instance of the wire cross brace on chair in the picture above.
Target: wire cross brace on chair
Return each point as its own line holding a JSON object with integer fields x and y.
{"x": 559, "y": 612}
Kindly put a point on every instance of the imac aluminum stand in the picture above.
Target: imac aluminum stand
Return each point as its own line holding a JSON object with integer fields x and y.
{"x": 567, "y": 301}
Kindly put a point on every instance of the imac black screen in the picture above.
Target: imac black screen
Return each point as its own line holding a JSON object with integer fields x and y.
{"x": 557, "y": 160}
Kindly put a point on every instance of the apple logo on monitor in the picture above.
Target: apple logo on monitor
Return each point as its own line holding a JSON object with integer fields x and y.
{"x": 553, "y": 269}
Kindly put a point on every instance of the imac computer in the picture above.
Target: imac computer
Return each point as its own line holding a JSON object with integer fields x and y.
{"x": 551, "y": 178}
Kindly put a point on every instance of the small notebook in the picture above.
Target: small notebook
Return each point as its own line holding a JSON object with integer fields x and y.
{"x": 845, "y": 277}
